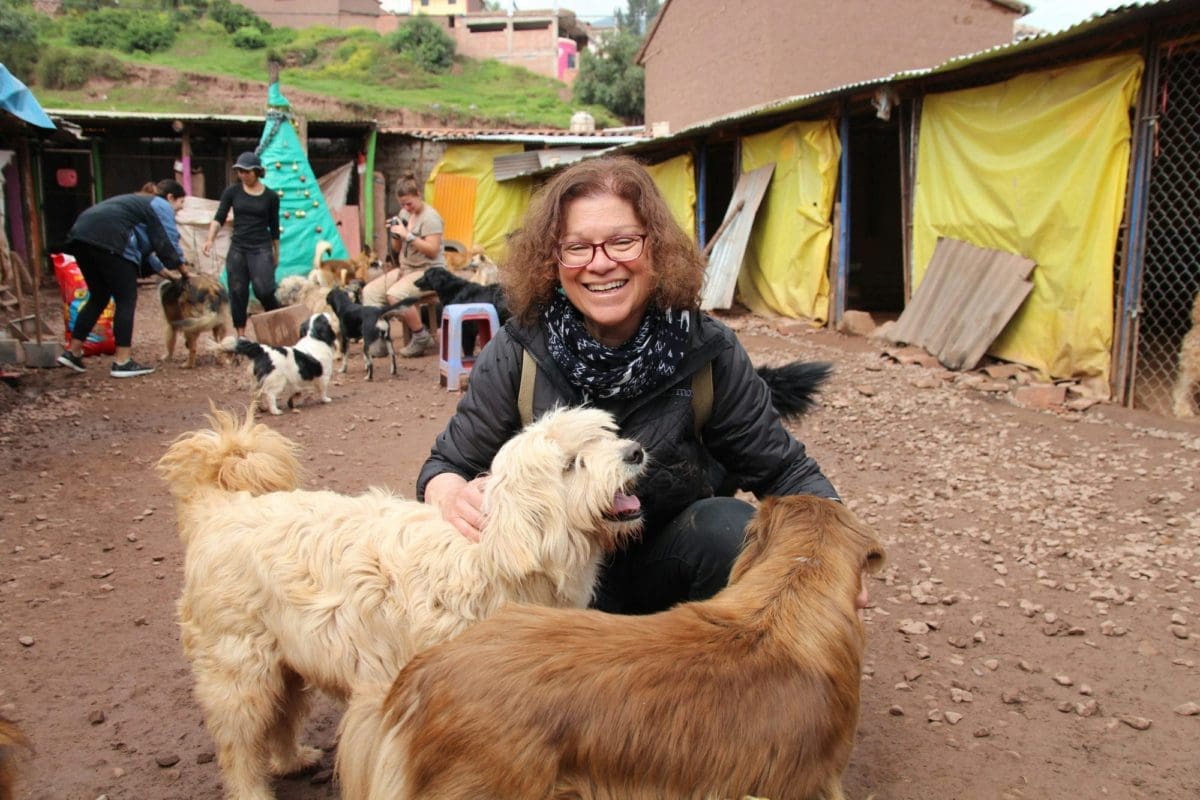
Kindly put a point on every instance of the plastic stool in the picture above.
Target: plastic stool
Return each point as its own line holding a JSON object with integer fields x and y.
{"x": 454, "y": 366}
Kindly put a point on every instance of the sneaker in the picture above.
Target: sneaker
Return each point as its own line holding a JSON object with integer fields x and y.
{"x": 130, "y": 369}
{"x": 72, "y": 361}
{"x": 420, "y": 344}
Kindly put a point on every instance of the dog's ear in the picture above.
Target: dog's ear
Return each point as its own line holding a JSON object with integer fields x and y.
{"x": 304, "y": 328}
{"x": 860, "y": 536}
{"x": 757, "y": 534}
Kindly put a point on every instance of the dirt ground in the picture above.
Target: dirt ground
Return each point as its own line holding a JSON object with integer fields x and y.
{"x": 1035, "y": 635}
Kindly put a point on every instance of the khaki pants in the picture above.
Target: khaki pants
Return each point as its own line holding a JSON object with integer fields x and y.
{"x": 392, "y": 287}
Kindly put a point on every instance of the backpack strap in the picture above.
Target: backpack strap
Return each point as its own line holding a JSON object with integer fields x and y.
{"x": 525, "y": 394}
{"x": 702, "y": 397}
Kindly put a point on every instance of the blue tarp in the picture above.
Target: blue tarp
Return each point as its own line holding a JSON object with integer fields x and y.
{"x": 16, "y": 99}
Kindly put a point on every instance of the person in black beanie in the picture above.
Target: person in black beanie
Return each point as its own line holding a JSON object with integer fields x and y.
{"x": 254, "y": 249}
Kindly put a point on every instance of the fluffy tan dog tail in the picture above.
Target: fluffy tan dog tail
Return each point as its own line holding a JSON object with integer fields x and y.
{"x": 361, "y": 737}
{"x": 322, "y": 248}
{"x": 235, "y": 455}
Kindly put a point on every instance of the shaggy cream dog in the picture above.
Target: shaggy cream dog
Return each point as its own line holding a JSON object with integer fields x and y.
{"x": 287, "y": 589}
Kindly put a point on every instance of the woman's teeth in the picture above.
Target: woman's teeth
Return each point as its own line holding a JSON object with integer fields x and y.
{"x": 604, "y": 287}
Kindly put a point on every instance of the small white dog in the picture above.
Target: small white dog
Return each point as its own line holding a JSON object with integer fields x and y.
{"x": 287, "y": 589}
{"x": 283, "y": 372}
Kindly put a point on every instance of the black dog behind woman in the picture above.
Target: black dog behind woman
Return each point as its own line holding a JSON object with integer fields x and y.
{"x": 452, "y": 290}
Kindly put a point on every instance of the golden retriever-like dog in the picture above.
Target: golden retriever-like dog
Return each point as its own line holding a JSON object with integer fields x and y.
{"x": 287, "y": 589}
{"x": 335, "y": 272}
{"x": 754, "y": 692}
{"x": 191, "y": 306}
{"x": 1187, "y": 379}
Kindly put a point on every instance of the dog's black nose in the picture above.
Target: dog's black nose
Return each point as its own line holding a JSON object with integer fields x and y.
{"x": 633, "y": 454}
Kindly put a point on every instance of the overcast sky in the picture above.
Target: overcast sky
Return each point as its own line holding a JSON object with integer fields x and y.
{"x": 1049, "y": 14}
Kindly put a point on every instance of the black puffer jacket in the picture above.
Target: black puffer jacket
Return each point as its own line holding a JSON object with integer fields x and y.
{"x": 743, "y": 435}
{"x": 108, "y": 224}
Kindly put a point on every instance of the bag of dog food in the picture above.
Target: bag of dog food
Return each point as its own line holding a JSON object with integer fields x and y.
{"x": 74, "y": 294}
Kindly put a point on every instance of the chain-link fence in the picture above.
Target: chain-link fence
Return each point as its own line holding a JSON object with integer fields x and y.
{"x": 1171, "y": 263}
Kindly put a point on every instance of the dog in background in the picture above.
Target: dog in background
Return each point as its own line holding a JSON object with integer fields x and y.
{"x": 299, "y": 290}
{"x": 368, "y": 324}
{"x": 284, "y": 372}
{"x": 452, "y": 289}
{"x": 192, "y": 305}
{"x": 286, "y": 589}
{"x": 486, "y": 271}
{"x": 754, "y": 692}
{"x": 1187, "y": 379}
{"x": 333, "y": 272}
{"x": 11, "y": 741}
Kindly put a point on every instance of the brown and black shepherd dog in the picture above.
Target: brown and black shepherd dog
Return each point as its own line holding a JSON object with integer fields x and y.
{"x": 11, "y": 741}
{"x": 754, "y": 692}
{"x": 191, "y": 306}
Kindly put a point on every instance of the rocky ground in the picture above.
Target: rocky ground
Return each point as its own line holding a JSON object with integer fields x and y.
{"x": 1034, "y": 636}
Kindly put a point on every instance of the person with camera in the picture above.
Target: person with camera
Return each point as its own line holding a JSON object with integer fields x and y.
{"x": 415, "y": 242}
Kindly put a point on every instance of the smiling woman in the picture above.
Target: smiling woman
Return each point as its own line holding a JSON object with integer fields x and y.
{"x": 604, "y": 286}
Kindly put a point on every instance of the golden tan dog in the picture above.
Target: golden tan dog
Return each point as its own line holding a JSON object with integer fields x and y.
{"x": 1187, "y": 379}
{"x": 191, "y": 306}
{"x": 754, "y": 692}
{"x": 287, "y": 589}
{"x": 11, "y": 741}
{"x": 334, "y": 272}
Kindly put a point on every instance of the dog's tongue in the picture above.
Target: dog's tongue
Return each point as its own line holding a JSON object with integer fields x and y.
{"x": 625, "y": 503}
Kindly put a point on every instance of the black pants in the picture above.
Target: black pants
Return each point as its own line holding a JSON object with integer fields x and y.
{"x": 244, "y": 268}
{"x": 109, "y": 277}
{"x": 689, "y": 559}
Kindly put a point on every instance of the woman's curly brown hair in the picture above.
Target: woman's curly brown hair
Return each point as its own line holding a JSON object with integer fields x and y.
{"x": 530, "y": 272}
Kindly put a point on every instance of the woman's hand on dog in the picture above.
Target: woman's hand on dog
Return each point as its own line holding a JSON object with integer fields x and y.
{"x": 863, "y": 600}
{"x": 460, "y": 502}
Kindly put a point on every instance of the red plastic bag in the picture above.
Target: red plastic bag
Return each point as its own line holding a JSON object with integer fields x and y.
{"x": 74, "y": 294}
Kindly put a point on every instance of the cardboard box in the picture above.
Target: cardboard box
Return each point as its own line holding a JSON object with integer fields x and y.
{"x": 280, "y": 327}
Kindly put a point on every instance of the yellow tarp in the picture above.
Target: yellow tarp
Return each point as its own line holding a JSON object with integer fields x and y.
{"x": 499, "y": 207}
{"x": 785, "y": 270}
{"x": 1036, "y": 166}
{"x": 676, "y": 179}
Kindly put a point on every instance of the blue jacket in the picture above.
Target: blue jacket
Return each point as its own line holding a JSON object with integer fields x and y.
{"x": 139, "y": 250}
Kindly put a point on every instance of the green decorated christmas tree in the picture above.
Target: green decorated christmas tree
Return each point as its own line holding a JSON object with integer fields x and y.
{"x": 304, "y": 217}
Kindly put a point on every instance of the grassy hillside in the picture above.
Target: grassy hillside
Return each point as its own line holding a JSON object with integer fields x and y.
{"x": 357, "y": 68}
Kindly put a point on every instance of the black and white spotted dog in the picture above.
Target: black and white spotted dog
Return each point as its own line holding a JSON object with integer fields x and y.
{"x": 370, "y": 324}
{"x": 284, "y": 372}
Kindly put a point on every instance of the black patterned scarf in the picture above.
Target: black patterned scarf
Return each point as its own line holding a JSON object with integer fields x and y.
{"x": 626, "y": 371}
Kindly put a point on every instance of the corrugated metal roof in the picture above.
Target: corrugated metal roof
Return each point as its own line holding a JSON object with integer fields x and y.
{"x": 516, "y": 165}
{"x": 83, "y": 113}
{"x": 1034, "y": 42}
{"x": 528, "y": 136}
{"x": 98, "y": 116}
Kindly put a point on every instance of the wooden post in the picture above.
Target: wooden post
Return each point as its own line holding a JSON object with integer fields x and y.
{"x": 36, "y": 246}
{"x": 185, "y": 157}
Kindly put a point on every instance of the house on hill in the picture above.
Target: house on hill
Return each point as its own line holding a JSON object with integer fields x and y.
{"x": 707, "y": 58}
{"x": 307, "y": 13}
{"x": 545, "y": 41}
